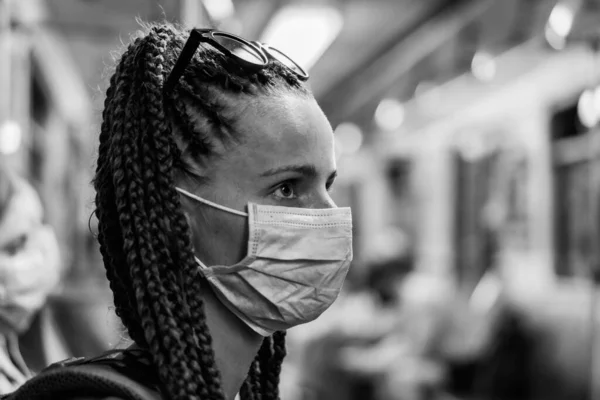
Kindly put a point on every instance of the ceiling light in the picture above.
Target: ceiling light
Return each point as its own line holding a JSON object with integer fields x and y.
{"x": 219, "y": 9}
{"x": 561, "y": 19}
{"x": 389, "y": 114}
{"x": 588, "y": 107}
{"x": 483, "y": 66}
{"x": 560, "y": 22}
{"x": 10, "y": 137}
{"x": 348, "y": 137}
{"x": 303, "y": 31}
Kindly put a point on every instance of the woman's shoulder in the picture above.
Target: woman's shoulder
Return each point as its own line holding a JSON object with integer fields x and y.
{"x": 122, "y": 375}
{"x": 94, "y": 398}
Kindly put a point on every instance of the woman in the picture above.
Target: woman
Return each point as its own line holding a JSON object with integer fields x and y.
{"x": 30, "y": 270}
{"x": 216, "y": 225}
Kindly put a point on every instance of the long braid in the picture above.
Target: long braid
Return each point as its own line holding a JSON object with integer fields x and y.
{"x": 274, "y": 370}
{"x": 246, "y": 391}
{"x": 159, "y": 324}
{"x": 191, "y": 281}
{"x": 270, "y": 358}
{"x": 251, "y": 388}
{"x": 186, "y": 355}
{"x": 158, "y": 161}
{"x": 127, "y": 182}
{"x": 144, "y": 237}
{"x": 109, "y": 232}
{"x": 255, "y": 379}
{"x": 263, "y": 359}
{"x": 170, "y": 200}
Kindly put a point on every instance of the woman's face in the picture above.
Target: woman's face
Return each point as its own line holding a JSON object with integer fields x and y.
{"x": 23, "y": 215}
{"x": 285, "y": 158}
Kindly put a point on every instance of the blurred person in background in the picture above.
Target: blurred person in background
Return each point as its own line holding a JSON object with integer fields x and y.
{"x": 403, "y": 334}
{"x": 395, "y": 361}
{"x": 216, "y": 225}
{"x": 30, "y": 270}
{"x": 336, "y": 356}
{"x": 385, "y": 278}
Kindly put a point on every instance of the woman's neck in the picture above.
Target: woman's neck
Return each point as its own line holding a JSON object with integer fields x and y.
{"x": 234, "y": 343}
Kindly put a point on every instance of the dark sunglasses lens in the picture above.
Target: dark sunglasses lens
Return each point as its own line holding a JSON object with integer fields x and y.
{"x": 239, "y": 49}
{"x": 285, "y": 60}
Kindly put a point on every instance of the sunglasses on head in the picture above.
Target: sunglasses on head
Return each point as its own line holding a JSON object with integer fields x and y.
{"x": 253, "y": 56}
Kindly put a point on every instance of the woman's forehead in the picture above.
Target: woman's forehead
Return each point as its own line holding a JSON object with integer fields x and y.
{"x": 289, "y": 129}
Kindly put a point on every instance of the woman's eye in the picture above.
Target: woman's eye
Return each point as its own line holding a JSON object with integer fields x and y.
{"x": 285, "y": 191}
{"x": 15, "y": 245}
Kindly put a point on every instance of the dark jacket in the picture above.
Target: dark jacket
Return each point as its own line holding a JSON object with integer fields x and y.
{"x": 115, "y": 375}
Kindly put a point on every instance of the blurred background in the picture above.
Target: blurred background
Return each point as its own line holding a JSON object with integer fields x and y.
{"x": 468, "y": 148}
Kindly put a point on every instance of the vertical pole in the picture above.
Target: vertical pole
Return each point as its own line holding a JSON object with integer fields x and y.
{"x": 5, "y": 62}
{"x": 594, "y": 182}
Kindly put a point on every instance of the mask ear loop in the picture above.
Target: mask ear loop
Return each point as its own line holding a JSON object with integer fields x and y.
{"x": 201, "y": 264}
{"x": 210, "y": 203}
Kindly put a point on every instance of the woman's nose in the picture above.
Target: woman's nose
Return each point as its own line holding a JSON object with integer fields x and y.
{"x": 324, "y": 201}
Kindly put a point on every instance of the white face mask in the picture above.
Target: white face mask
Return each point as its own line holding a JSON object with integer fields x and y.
{"x": 28, "y": 277}
{"x": 296, "y": 265}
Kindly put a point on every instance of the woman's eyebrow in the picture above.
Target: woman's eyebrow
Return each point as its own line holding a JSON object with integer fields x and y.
{"x": 304, "y": 169}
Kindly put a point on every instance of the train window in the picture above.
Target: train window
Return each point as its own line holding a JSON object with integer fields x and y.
{"x": 574, "y": 233}
{"x": 576, "y": 156}
{"x": 399, "y": 174}
{"x": 475, "y": 241}
{"x": 565, "y": 123}
{"x": 490, "y": 210}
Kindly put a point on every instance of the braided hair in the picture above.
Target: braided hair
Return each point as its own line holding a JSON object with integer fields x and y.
{"x": 147, "y": 139}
